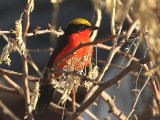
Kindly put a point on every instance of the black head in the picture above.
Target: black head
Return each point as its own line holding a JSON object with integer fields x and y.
{"x": 79, "y": 24}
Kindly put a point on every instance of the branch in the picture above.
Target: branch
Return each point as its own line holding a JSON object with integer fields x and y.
{"x": 49, "y": 50}
{"x": 13, "y": 84}
{"x": 105, "y": 67}
{"x": 154, "y": 87}
{"x": 62, "y": 111}
{"x": 108, "y": 60}
{"x": 9, "y": 115}
{"x": 113, "y": 18}
{"x": 78, "y": 105}
{"x": 8, "y": 89}
{"x": 98, "y": 22}
{"x": 112, "y": 107}
{"x": 17, "y": 74}
{"x": 137, "y": 98}
{"x": 27, "y": 12}
{"x": 103, "y": 86}
{"x": 36, "y": 32}
{"x": 125, "y": 12}
{"x": 28, "y": 9}
{"x": 128, "y": 17}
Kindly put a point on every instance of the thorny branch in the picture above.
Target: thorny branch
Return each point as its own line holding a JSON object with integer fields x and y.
{"x": 36, "y": 32}
{"x": 108, "y": 60}
{"x": 28, "y": 9}
{"x": 109, "y": 83}
{"x": 139, "y": 93}
{"x": 112, "y": 107}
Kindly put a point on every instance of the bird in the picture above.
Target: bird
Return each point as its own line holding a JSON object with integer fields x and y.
{"x": 78, "y": 31}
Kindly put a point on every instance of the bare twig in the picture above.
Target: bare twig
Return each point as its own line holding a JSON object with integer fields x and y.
{"x": 103, "y": 86}
{"x": 36, "y": 32}
{"x": 128, "y": 17}
{"x": 137, "y": 42}
{"x": 28, "y": 9}
{"x": 113, "y": 51}
{"x": 30, "y": 61}
{"x": 133, "y": 26}
{"x": 27, "y": 12}
{"x": 13, "y": 84}
{"x": 17, "y": 74}
{"x": 8, "y": 114}
{"x": 154, "y": 82}
{"x": 98, "y": 22}
{"x": 112, "y": 107}
{"x": 62, "y": 111}
{"x": 154, "y": 88}
{"x": 33, "y": 64}
{"x": 41, "y": 50}
{"x": 8, "y": 89}
{"x": 104, "y": 69}
{"x": 137, "y": 98}
{"x": 78, "y": 105}
{"x": 113, "y": 18}
{"x": 52, "y": 31}
{"x": 118, "y": 52}
{"x": 125, "y": 12}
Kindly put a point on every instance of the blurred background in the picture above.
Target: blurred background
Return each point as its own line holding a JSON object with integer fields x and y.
{"x": 58, "y": 15}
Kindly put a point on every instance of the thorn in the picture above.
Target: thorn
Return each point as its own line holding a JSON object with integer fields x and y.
{"x": 50, "y": 26}
{"x": 11, "y": 30}
{"x": 118, "y": 84}
{"x": 36, "y": 30}
{"x": 110, "y": 111}
{"x": 59, "y": 29}
{"x": 113, "y": 98}
{"x": 135, "y": 117}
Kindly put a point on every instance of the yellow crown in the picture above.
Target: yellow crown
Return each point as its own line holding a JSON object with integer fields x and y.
{"x": 80, "y": 21}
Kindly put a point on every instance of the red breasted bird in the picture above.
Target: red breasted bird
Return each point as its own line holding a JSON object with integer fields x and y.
{"x": 78, "y": 31}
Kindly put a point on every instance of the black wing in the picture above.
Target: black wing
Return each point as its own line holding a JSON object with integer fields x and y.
{"x": 62, "y": 42}
{"x": 46, "y": 91}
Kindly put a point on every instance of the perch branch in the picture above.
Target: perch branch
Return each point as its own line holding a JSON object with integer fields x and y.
{"x": 36, "y": 32}
{"x": 103, "y": 86}
{"x": 87, "y": 44}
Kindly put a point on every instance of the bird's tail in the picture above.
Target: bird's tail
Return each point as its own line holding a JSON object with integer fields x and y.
{"x": 44, "y": 100}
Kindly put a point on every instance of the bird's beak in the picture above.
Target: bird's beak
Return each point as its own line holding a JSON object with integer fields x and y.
{"x": 94, "y": 28}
